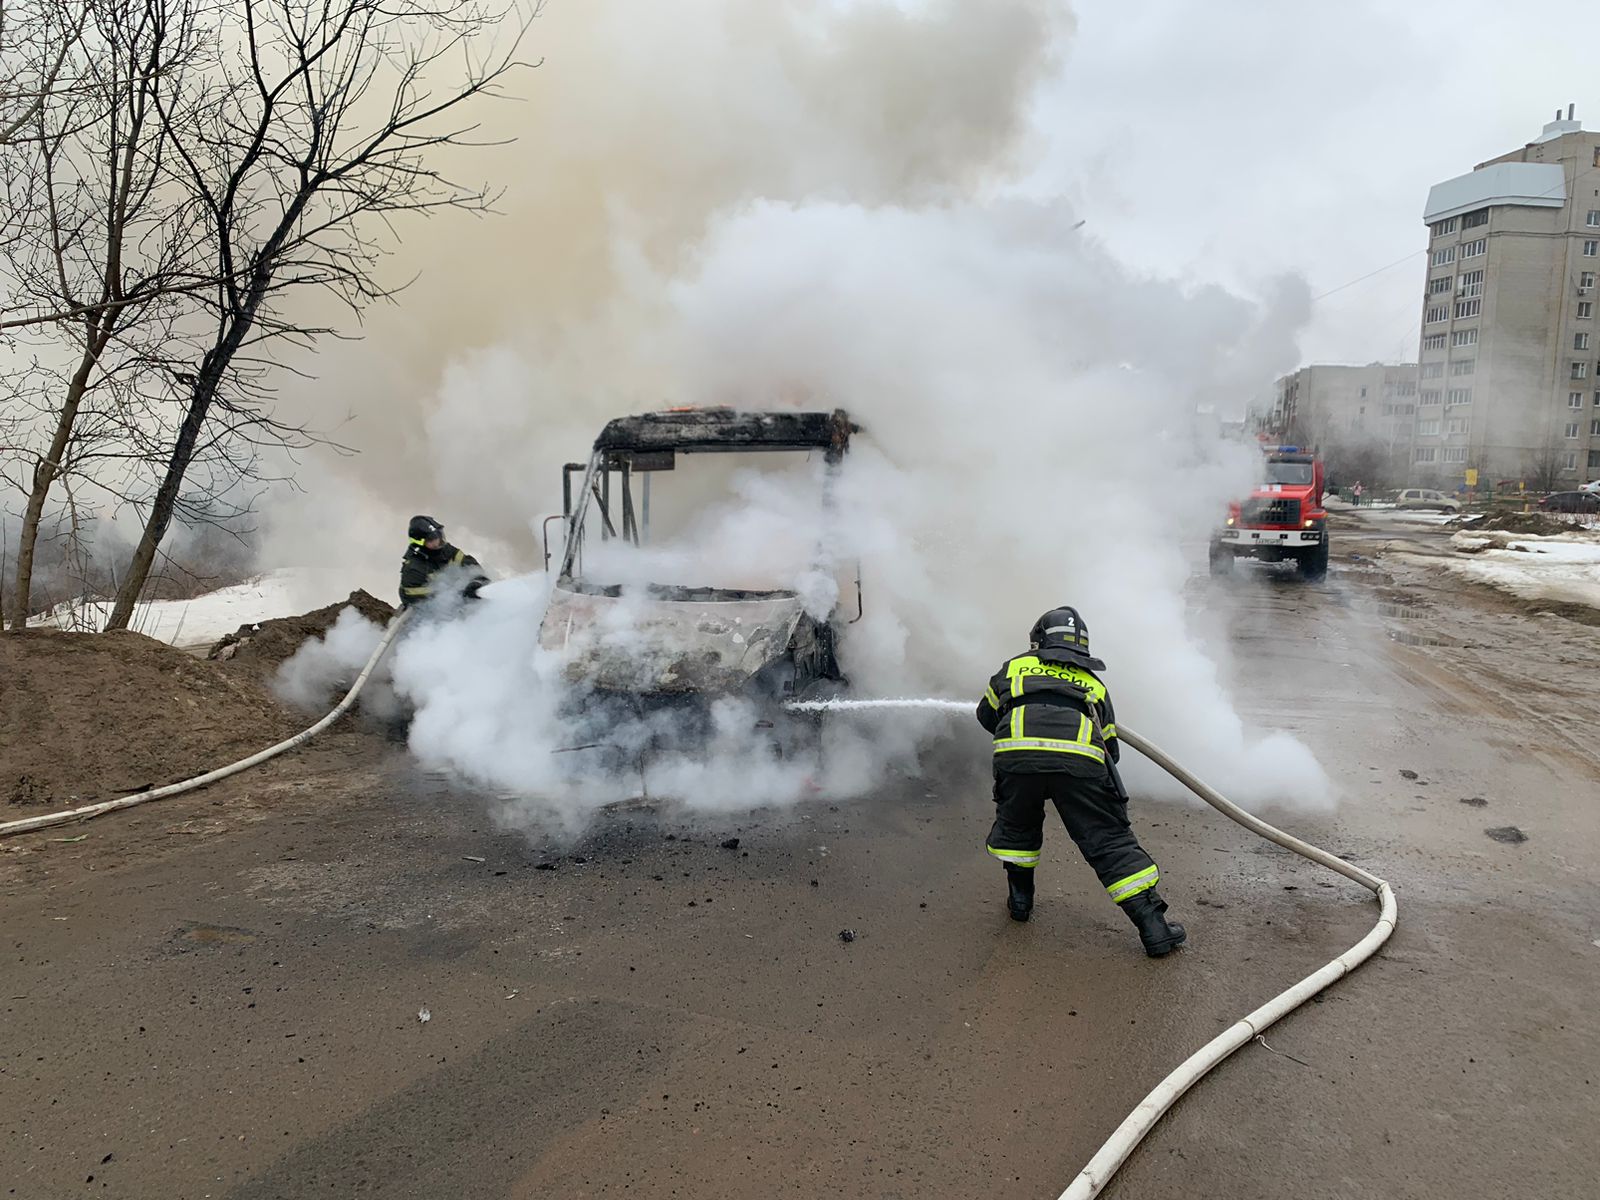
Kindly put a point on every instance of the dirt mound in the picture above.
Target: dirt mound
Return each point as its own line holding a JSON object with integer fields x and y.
{"x": 86, "y": 716}
{"x": 1512, "y": 522}
{"x": 261, "y": 647}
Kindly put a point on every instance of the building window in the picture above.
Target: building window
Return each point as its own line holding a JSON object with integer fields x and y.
{"x": 1580, "y": 370}
{"x": 1572, "y": 429}
{"x": 1585, "y": 309}
{"x": 1456, "y": 425}
{"x": 1593, "y": 219}
{"x": 1441, "y": 285}
{"x": 1594, "y": 459}
{"x": 1468, "y": 308}
{"x": 1594, "y": 428}
{"x": 1431, "y": 395}
{"x": 1585, "y": 283}
{"x": 1591, "y": 248}
{"x": 1473, "y": 249}
{"x": 1473, "y": 219}
{"x": 1463, "y": 366}
{"x": 1425, "y": 454}
{"x": 1434, "y": 341}
{"x": 1580, "y": 341}
{"x": 1597, "y": 399}
{"x": 1440, "y": 228}
{"x": 1434, "y": 315}
{"x": 1464, "y": 337}
{"x": 1408, "y": 387}
{"x": 1442, "y": 256}
{"x": 1455, "y": 454}
{"x": 1460, "y": 396}
{"x": 1574, "y": 399}
{"x": 1472, "y": 283}
{"x": 1569, "y": 461}
{"x": 1433, "y": 370}
{"x": 1428, "y": 428}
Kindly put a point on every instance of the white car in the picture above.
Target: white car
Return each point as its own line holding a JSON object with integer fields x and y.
{"x": 1592, "y": 486}
{"x": 1426, "y": 498}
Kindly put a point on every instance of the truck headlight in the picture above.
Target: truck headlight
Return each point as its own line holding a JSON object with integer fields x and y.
{"x": 1230, "y": 520}
{"x": 1309, "y": 524}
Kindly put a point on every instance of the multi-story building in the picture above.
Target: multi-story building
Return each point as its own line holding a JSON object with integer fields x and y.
{"x": 1510, "y": 352}
{"x": 1360, "y": 418}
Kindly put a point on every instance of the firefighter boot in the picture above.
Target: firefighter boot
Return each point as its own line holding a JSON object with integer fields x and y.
{"x": 1148, "y": 912}
{"x": 1020, "y": 901}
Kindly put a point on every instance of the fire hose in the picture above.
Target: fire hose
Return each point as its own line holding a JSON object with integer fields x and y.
{"x": 1110, "y": 1157}
{"x": 46, "y": 820}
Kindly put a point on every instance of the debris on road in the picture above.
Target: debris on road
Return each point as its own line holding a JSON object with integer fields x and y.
{"x": 473, "y": 858}
{"x": 1509, "y": 834}
{"x": 731, "y": 844}
{"x": 1475, "y": 801}
{"x": 847, "y": 935}
{"x": 424, "y": 1016}
{"x": 1405, "y": 774}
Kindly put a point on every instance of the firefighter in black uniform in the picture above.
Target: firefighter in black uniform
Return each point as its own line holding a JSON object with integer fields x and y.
{"x": 1055, "y": 738}
{"x": 428, "y": 554}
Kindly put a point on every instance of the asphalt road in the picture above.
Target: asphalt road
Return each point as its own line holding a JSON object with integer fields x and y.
{"x": 235, "y": 1013}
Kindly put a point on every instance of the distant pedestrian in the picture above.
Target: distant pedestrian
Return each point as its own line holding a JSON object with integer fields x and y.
{"x": 1356, "y": 492}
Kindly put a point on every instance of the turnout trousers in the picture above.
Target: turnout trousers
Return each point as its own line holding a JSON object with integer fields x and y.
{"x": 1096, "y": 819}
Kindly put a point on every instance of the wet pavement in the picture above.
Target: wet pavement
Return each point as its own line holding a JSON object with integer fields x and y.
{"x": 660, "y": 1012}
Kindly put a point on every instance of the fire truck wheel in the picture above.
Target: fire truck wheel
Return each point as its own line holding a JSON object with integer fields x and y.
{"x": 1221, "y": 560}
{"x": 1313, "y": 564}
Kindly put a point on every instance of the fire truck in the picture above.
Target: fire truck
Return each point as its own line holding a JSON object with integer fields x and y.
{"x": 1281, "y": 520}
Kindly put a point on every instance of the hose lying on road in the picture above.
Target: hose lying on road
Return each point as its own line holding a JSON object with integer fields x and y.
{"x": 1142, "y": 1119}
{"x": 45, "y": 820}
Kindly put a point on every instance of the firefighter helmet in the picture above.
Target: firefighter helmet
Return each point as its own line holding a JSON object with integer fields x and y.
{"x": 1062, "y": 629}
{"x": 424, "y": 529}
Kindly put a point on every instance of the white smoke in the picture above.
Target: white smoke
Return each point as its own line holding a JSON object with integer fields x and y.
{"x": 323, "y": 668}
{"x": 807, "y": 206}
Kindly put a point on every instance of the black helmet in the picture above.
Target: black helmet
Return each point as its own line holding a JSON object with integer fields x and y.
{"x": 1064, "y": 631}
{"x": 423, "y": 528}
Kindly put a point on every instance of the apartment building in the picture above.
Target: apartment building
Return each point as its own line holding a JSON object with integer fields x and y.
{"x": 1509, "y": 363}
{"x": 1359, "y": 417}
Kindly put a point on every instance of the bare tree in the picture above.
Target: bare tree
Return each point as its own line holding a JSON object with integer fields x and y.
{"x": 1543, "y": 468}
{"x": 106, "y": 241}
{"x": 300, "y": 162}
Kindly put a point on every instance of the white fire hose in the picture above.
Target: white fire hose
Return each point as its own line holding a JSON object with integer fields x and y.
{"x": 1164, "y": 1095}
{"x": 46, "y": 820}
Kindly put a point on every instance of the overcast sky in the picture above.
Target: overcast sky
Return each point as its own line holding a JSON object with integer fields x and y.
{"x": 1232, "y": 141}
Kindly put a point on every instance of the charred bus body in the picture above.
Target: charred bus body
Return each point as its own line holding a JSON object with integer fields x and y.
{"x": 662, "y": 653}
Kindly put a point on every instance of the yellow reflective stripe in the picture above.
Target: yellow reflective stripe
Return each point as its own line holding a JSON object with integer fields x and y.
{"x": 424, "y": 590}
{"x": 1085, "y": 730}
{"x": 994, "y": 701}
{"x": 1016, "y": 686}
{"x": 417, "y": 542}
{"x": 1017, "y": 858}
{"x": 1054, "y": 745}
{"x": 1110, "y": 731}
{"x": 460, "y": 554}
{"x": 1141, "y": 881}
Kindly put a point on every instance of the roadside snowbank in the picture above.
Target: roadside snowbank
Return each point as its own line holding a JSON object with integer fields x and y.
{"x": 205, "y": 619}
{"x": 1561, "y": 568}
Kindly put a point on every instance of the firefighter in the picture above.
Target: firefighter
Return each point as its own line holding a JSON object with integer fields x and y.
{"x": 428, "y": 554}
{"x": 1055, "y": 738}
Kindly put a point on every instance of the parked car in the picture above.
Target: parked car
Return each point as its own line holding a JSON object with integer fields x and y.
{"x": 1425, "y": 498}
{"x": 1571, "y": 502}
{"x": 1593, "y": 487}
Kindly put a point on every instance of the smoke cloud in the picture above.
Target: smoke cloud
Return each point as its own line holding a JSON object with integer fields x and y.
{"x": 809, "y": 205}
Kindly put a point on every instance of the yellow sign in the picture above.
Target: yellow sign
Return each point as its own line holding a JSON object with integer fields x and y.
{"x": 1472, "y": 476}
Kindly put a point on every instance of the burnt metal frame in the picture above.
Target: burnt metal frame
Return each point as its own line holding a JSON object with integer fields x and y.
{"x": 687, "y": 431}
